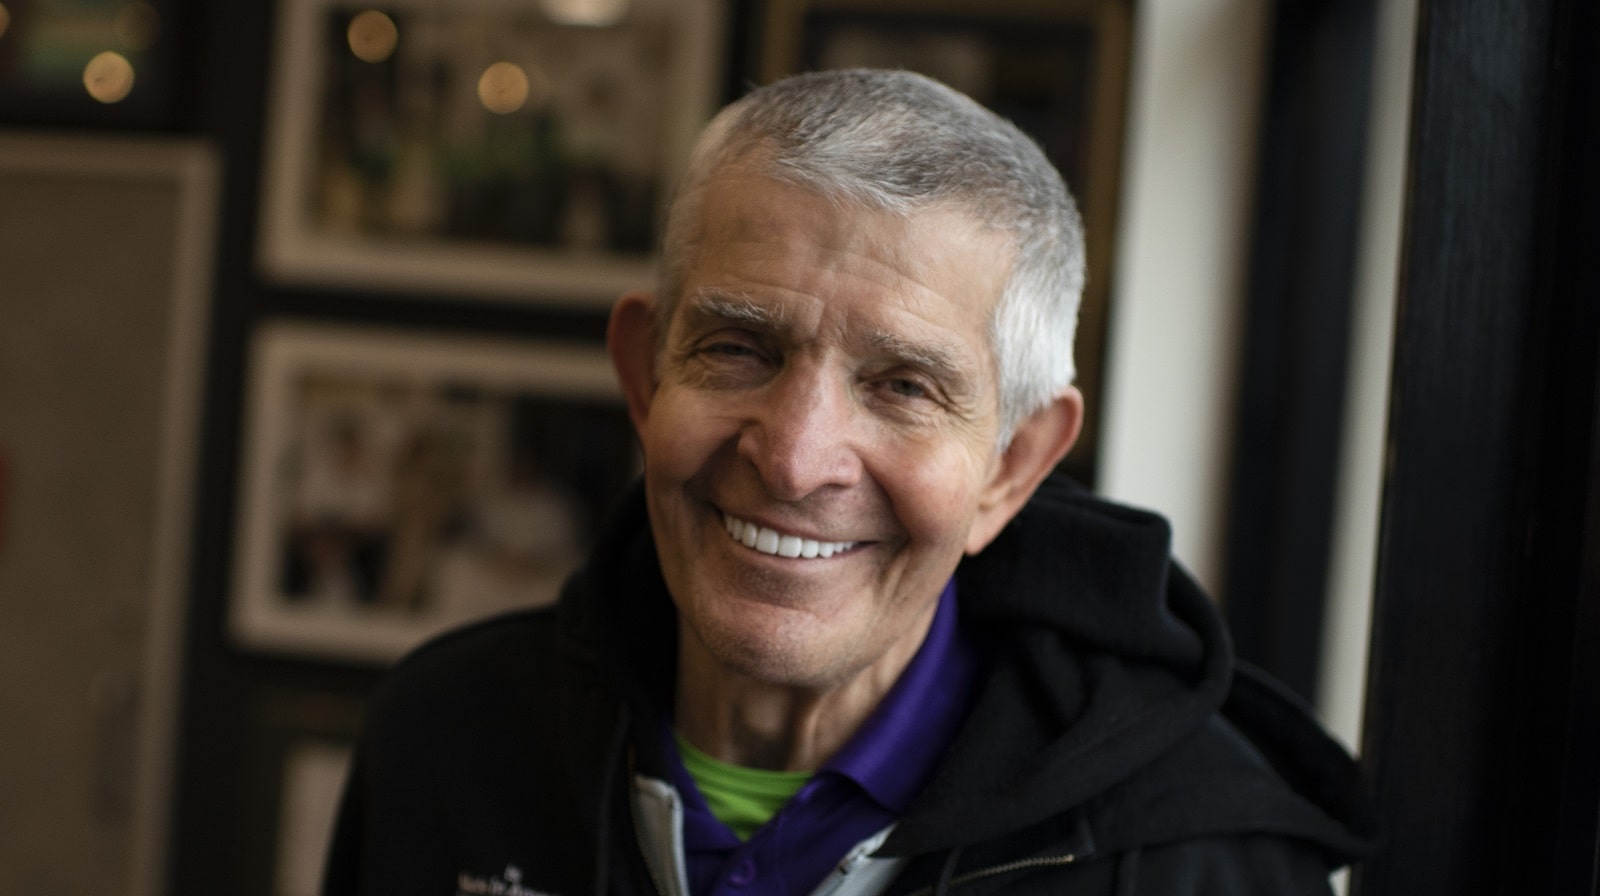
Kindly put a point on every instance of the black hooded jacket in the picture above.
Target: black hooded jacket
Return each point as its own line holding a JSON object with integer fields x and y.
{"x": 1114, "y": 748}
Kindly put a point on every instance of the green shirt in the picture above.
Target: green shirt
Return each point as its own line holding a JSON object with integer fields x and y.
{"x": 741, "y": 798}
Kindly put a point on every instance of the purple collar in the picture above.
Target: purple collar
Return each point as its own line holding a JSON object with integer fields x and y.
{"x": 894, "y": 751}
{"x": 864, "y": 787}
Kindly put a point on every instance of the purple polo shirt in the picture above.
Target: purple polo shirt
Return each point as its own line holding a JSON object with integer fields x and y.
{"x": 858, "y": 792}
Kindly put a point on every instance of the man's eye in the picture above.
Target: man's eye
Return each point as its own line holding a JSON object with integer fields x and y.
{"x": 907, "y": 388}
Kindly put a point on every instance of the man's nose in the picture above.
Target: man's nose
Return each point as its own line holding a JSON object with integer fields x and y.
{"x": 801, "y": 436}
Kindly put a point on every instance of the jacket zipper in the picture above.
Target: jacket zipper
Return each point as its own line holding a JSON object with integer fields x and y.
{"x": 638, "y": 838}
{"x": 1007, "y": 868}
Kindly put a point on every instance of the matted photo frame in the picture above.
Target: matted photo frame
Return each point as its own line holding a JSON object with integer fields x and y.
{"x": 398, "y": 484}
{"x": 503, "y": 150}
{"x": 106, "y": 279}
{"x": 1056, "y": 68}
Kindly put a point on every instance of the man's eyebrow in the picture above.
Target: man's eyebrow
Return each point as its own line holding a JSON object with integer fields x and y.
{"x": 939, "y": 360}
{"x": 735, "y": 307}
{"x": 942, "y": 361}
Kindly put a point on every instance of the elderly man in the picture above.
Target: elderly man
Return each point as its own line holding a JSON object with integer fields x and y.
{"x": 849, "y": 636}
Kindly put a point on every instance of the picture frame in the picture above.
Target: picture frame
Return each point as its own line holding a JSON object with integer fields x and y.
{"x": 97, "y": 523}
{"x": 1057, "y": 68}
{"x": 89, "y": 63}
{"x": 312, "y": 778}
{"x": 293, "y": 770}
{"x": 397, "y": 484}
{"x": 503, "y": 151}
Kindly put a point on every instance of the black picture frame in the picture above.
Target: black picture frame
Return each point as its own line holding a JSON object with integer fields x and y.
{"x": 397, "y": 484}
{"x": 395, "y": 173}
{"x": 292, "y": 773}
{"x": 51, "y": 53}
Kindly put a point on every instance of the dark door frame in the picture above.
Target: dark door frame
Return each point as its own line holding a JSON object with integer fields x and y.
{"x": 1483, "y": 712}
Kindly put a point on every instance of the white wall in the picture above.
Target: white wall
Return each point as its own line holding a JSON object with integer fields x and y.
{"x": 1175, "y": 329}
{"x": 1176, "y": 314}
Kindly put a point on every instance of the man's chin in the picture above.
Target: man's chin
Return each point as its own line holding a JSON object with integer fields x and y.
{"x": 780, "y": 656}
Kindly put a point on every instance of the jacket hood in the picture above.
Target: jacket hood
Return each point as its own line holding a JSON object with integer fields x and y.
{"x": 1112, "y": 688}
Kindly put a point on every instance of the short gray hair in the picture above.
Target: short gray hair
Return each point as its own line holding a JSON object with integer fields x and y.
{"x": 899, "y": 142}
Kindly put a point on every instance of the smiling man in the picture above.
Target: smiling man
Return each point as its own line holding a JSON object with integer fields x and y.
{"x": 850, "y": 636}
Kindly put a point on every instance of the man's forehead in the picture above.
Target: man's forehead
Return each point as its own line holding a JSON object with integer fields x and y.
{"x": 723, "y": 206}
{"x": 922, "y": 347}
{"x": 919, "y": 283}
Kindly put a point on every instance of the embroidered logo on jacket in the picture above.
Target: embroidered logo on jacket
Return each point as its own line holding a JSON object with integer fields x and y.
{"x": 509, "y": 883}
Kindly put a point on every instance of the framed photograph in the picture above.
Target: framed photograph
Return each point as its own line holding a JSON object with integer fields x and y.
{"x": 395, "y": 485}
{"x": 314, "y": 771}
{"x": 88, "y": 62}
{"x": 106, "y": 251}
{"x": 509, "y": 150}
{"x": 1056, "y": 68}
{"x": 292, "y": 771}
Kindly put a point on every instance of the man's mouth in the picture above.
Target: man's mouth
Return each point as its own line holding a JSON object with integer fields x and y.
{"x": 771, "y": 541}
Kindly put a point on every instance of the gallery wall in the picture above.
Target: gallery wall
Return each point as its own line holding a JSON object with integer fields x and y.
{"x": 428, "y": 341}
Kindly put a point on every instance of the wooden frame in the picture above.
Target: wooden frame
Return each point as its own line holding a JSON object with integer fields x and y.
{"x": 397, "y": 485}
{"x": 1057, "y": 68}
{"x": 395, "y": 175}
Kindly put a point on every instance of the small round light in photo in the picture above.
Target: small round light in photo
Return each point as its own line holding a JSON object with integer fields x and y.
{"x": 108, "y": 77}
{"x": 373, "y": 36}
{"x": 503, "y": 88}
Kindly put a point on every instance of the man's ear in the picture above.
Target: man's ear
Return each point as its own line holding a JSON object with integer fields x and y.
{"x": 631, "y": 342}
{"x": 1039, "y": 443}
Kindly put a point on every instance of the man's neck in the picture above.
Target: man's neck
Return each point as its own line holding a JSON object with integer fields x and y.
{"x": 757, "y": 724}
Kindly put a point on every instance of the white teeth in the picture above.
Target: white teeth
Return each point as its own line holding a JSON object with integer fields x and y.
{"x": 769, "y": 541}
